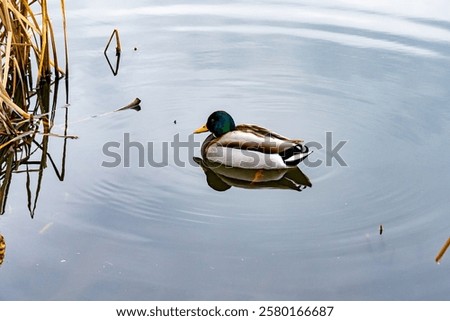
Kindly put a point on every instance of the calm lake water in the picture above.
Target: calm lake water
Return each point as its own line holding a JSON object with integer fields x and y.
{"x": 374, "y": 75}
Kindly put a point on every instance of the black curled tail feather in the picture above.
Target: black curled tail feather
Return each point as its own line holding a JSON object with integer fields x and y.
{"x": 294, "y": 155}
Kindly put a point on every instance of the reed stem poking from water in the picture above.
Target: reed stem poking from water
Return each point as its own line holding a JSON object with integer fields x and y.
{"x": 2, "y": 248}
{"x": 442, "y": 251}
{"x": 29, "y": 76}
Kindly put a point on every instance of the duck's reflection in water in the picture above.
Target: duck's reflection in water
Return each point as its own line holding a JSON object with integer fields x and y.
{"x": 222, "y": 178}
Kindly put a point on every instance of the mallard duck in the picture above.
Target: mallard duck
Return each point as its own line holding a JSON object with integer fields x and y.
{"x": 248, "y": 146}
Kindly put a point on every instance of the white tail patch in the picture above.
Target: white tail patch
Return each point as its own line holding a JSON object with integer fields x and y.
{"x": 297, "y": 157}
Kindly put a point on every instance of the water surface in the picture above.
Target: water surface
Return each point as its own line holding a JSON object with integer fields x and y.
{"x": 374, "y": 75}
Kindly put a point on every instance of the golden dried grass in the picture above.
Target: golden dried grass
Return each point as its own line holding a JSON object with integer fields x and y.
{"x": 29, "y": 76}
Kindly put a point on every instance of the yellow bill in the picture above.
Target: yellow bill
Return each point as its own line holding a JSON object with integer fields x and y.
{"x": 201, "y": 129}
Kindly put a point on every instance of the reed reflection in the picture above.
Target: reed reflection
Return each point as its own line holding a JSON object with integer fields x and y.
{"x": 28, "y": 153}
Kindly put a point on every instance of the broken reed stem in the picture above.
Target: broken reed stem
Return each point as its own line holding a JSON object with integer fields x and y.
{"x": 115, "y": 69}
{"x": 118, "y": 46}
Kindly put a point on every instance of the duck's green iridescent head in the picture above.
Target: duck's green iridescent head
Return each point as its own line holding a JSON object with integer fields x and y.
{"x": 219, "y": 123}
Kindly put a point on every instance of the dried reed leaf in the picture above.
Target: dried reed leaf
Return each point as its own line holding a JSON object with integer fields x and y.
{"x": 9, "y": 103}
{"x": 16, "y": 138}
{"x": 7, "y": 57}
{"x": 133, "y": 105}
